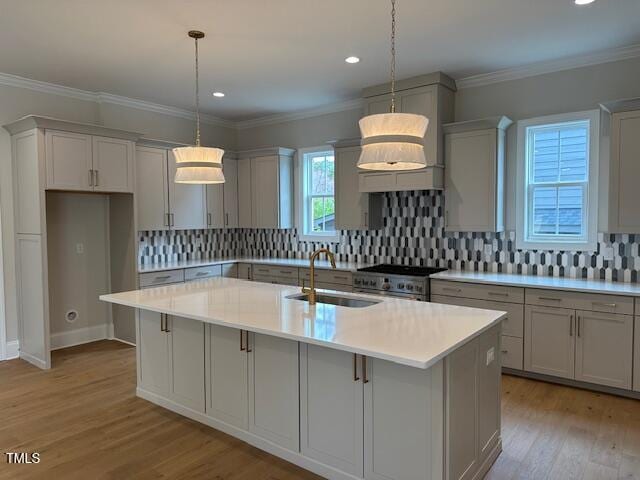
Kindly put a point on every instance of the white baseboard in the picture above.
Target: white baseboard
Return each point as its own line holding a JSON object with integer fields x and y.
{"x": 79, "y": 336}
{"x": 12, "y": 350}
{"x": 123, "y": 341}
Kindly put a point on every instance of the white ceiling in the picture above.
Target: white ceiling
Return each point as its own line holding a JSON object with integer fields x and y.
{"x": 274, "y": 56}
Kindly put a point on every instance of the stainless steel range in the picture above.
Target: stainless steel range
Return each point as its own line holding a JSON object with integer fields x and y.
{"x": 395, "y": 280}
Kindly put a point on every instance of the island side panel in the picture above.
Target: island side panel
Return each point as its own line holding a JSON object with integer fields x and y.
{"x": 473, "y": 420}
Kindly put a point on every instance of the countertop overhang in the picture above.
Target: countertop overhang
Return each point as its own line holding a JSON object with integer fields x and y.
{"x": 417, "y": 334}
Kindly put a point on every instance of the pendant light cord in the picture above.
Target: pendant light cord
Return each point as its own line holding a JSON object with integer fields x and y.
{"x": 197, "y": 99}
{"x": 393, "y": 56}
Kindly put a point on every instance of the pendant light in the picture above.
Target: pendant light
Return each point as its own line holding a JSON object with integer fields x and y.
{"x": 393, "y": 141}
{"x": 198, "y": 164}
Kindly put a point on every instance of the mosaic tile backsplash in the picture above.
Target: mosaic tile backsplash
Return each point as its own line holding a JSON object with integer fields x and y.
{"x": 413, "y": 234}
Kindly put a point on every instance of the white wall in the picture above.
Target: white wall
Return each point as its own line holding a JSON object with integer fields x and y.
{"x": 17, "y": 102}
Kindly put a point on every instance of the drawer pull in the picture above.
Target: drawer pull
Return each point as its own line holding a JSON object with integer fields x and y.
{"x": 285, "y": 272}
{"x": 451, "y": 289}
{"x": 340, "y": 278}
{"x": 162, "y": 278}
{"x": 355, "y": 368}
{"x": 504, "y": 351}
{"x": 499, "y": 294}
{"x": 549, "y": 299}
{"x": 202, "y": 274}
{"x": 604, "y": 304}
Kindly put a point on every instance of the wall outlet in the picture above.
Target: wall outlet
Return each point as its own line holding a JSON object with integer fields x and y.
{"x": 491, "y": 355}
{"x": 607, "y": 253}
{"x": 488, "y": 249}
{"x": 79, "y": 248}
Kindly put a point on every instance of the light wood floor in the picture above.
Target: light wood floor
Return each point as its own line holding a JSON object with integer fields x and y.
{"x": 84, "y": 419}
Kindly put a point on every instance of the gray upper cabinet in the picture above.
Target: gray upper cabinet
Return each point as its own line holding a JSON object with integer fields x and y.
{"x": 624, "y": 194}
{"x": 265, "y": 188}
{"x": 474, "y": 175}
{"x": 163, "y": 204}
{"x": 354, "y": 210}
{"x": 152, "y": 195}
{"x": 76, "y": 161}
{"x": 429, "y": 95}
{"x": 222, "y": 199}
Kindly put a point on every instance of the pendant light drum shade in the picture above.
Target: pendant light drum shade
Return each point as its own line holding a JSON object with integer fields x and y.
{"x": 199, "y": 165}
{"x": 393, "y": 141}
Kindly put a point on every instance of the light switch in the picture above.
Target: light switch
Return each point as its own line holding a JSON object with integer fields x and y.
{"x": 488, "y": 249}
{"x": 491, "y": 355}
{"x": 607, "y": 253}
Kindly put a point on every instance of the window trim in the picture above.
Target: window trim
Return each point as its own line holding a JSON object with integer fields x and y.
{"x": 301, "y": 204}
{"x": 523, "y": 189}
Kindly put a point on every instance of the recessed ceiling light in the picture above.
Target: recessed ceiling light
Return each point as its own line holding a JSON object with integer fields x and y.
{"x": 352, "y": 59}
{"x": 218, "y": 94}
{"x": 584, "y": 2}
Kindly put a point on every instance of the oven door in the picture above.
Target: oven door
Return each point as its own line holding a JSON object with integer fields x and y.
{"x": 406, "y": 296}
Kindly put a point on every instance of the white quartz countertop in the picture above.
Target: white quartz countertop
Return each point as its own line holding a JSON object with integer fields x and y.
{"x": 280, "y": 262}
{"x": 544, "y": 282}
{"x": 417, "y": 334}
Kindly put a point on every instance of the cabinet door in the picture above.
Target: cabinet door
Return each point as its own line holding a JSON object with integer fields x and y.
{"x": 227, "y": 380}
{"x": 331, "y": 408}
{"x": 153, "y": 346}
{"x": 68, "y": 161}
{"x": 265, "y": 191}
{"x": 152, "y": 194}
{"x": 636, "y": 356}
{"x": 470, "y": 199}
{"x": 230, "y": 270}
{"x": 549, "y": 341}
{"x": 604, "y": 348}
{"x": 231, "y": 193}
{"x": 245, "y": 194}
{"x": 274, "y": 399}
{"x": 215, "y": 205}
{"x": 187, "y": 203}
{"x": 112, "y": 165}
{"x": 403, "y": 421}
{"x": 245, "y": 271}
{"x": 187, "y": 362}
{"x": 423, "y": 101}
{"x": 352, "y": 207}
{"x": 625, "y": 170}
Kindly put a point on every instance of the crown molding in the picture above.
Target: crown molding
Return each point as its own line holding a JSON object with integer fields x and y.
{"x": 108, "y": 98}
{"x": 301, "y": 114}
{"x": 540, "y": 68}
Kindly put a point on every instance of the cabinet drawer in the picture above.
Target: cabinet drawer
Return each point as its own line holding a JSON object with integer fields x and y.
{"x": 161, "y": 278}
{"x": 328, "y": 286}
{"x": 202, "y": 272}
{"x": 580, "y": 301}
{"x": 275, "y": 271}
{"x": 327, "y": 276}
{"x": 511, "y": 352}
{"x": 481, "y": 292}
{"x": 513, "y": 326}
{"x": 276, "y": 280}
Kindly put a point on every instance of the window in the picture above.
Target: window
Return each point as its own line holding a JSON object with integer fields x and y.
{"x": 557, "y": 182}
{"x": 318, "y": 197}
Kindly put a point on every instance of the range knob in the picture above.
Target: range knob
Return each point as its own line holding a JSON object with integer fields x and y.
{"x": 386, "y": 286}
{"x": 401, "y": 286}
{"x": 409, "y": 287}
{"x": 357, "y": 281}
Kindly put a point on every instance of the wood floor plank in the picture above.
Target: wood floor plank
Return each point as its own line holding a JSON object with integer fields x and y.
{"x": 85, "y": 420}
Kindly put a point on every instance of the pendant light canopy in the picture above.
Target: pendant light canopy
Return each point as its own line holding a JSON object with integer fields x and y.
{"x": 393, "y": 141}
{"x": 197, "y": 164}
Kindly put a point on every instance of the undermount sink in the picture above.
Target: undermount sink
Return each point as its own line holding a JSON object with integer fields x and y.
{"x": 335, "y": 300}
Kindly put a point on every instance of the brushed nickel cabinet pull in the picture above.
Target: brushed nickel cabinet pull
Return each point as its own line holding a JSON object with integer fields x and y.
{"x": 209, "y": 219}
{"x": 504, "y": 351}
{"x": 364, "y": 370}
{"x": 549, "y": 299}
{"x": 162, "y": 278}
{"x": 603, "y": 304}
{"x": 571, "y": 325}
{"x": 96, "y": 182}
{"x": 91, "y": 178}
{"x": 166, "y": 323}
{"x": 355, "y": 368}
{"x": 172, "y": 219}
{"x": 162, "y": 329}
{"x": 242, "y": 349}
{"x": 366, "y": 219}
{"x": 226, "y": 219}
{"x": 579, "y": 324}
{"x": 167, "y": 220}
{"x": 246, "y": 338}
{"x": 451, "y": 289}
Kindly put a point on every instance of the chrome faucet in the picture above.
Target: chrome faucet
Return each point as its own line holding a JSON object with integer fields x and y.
{"x": 311, "y": 292}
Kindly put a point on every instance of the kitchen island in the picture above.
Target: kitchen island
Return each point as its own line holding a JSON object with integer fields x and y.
{"x": 392, "y": 390}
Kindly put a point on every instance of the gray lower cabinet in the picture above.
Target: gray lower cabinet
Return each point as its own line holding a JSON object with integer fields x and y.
{"x": 549, "y": 345}
{"x": 227, "y": 376}
{"x": 636, "y": 356}
{"x": 331, "y": 408}
{"x": 169, "y": 365}
{"x": 604, "y": 348}
{"x": 274, "y": 400}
